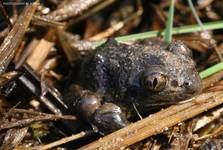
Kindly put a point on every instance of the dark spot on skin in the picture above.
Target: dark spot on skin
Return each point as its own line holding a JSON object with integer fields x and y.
{"x": 174, "y": 83}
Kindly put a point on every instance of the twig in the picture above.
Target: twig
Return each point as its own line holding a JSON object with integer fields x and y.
{"x": 8, "y": 76}
{"x": 69, "y": 9}
{"x": 4, "y": 32}
{"x": 92, "y": 11}
{"x": 6, "y": 17}
{"x": 31, "y": 112}
{"x": 156, "y": 123}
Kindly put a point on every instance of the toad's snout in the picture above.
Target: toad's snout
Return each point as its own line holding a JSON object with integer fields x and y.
{"x": 192, "y": 83}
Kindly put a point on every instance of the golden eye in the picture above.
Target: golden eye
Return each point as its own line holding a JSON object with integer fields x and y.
{"x": 155, "y": 82}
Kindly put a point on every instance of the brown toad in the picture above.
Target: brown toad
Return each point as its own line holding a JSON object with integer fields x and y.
{"x": 115, "y": 77}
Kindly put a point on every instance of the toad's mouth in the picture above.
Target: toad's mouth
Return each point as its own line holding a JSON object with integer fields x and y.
{"x": 153, "y": 101}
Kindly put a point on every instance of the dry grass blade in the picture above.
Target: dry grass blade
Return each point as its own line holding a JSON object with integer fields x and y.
{"x": 25, "y": 122}
{"x": 63, "y": 141}
{"x": 41, "y": 51}
{"x": 13, "y": 138}
{"x": 218, "y": 131}
{"x": 156, "y": 123}
{"x": 21, "y": 59}
{"x": 209, "y": 81}
{"x": 56, "y": 143}
{"x": 41, "y": 21}
{"x": 118, "y": 26}
{"x": 66, "y": 39}
{"x": 15, "y": 36}
{"x": 207, "y": 118}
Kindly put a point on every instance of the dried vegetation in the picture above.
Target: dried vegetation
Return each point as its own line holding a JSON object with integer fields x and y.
{"x": 40, "y": 43}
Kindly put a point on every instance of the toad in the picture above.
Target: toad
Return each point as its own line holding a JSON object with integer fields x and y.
{"x": 117, "y": 79}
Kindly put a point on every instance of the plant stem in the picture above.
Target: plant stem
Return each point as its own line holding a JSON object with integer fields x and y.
{"x": 177, "y": 30}
{"x": 169, "y": 25}
{"x": 212, "y": 70}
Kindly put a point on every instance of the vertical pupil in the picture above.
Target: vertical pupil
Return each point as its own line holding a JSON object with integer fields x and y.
{"x": 155, "y": 82}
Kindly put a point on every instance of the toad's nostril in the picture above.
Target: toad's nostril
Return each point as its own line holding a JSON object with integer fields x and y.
{"x": 189, "y": 87}
{"x": 187, "y": 84}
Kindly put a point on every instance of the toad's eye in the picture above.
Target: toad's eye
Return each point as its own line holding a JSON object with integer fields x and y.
{"x": 154, "y": 82}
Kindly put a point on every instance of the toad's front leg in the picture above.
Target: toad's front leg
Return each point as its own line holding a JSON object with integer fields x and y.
{"x": 109, "y": 118}
{"x": 104, "y": 117}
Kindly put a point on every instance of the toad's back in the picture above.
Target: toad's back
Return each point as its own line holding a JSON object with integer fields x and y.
{"x": 114, "y": 64}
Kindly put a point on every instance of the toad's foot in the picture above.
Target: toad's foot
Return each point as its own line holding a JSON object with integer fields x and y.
{"x": 104, "y": 117}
